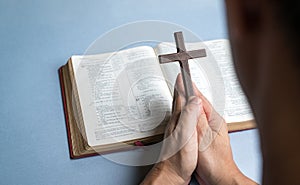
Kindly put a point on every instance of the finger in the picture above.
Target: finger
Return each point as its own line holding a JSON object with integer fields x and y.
{"x": 178, "y": 102}
{"x": 199, "y": 94}
{"x": 174, "y": 99}
{"x": 205, "y": 133}
{"x": 208, "y": 130}
{"x": 179, "y": 86}
{"x": 175, "y": 113}
{"x": 214, "y": 119}
{"x": 208, "y": 108}
{"x": 188, "y": 120}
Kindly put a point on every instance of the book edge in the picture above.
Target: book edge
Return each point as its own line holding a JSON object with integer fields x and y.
{"x": 67, "y": 121}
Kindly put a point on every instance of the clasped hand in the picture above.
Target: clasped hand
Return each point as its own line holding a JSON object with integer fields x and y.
{"x": 196, "y": 142}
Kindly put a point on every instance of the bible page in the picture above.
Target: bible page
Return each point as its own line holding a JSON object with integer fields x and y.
{"x": 123, "y": 95}
{"x": 214, "y": 76}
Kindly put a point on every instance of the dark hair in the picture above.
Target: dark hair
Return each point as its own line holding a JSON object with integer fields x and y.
{"x": 288, "y": 13}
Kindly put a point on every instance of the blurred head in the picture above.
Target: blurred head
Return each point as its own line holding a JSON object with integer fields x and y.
{"x": 264, "y": 38}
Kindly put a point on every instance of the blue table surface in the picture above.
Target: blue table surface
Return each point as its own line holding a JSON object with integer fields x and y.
{"x": 36, "y": 38}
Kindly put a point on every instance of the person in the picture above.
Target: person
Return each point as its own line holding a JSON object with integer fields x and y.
{"x": 264, "y": 40}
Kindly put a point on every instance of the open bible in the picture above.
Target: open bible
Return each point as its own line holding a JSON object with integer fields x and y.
{"x": 114, "y": 100}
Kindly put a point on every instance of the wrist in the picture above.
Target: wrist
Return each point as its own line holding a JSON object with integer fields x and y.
{"x": 163, "y": 173}
{"x": 236, "y": 177}
{"x": 230, "y": 175}
{"x": 241, "y": 179}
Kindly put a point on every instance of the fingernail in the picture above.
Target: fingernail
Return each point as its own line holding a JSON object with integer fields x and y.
{"x": 195, "y": 100}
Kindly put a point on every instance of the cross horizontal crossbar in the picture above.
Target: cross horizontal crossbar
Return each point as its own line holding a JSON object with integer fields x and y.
{"x": 182, "y": 56}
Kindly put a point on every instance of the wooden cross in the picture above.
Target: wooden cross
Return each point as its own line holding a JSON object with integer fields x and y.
{"x": 182, "y": 56}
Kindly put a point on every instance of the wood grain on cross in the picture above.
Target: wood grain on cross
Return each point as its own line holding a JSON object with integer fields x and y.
{"x": 182, "y": 56}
